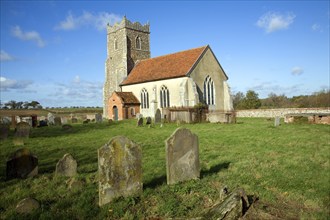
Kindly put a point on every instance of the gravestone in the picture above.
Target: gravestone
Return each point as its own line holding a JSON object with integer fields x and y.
{"x": 66, "y": 166}
{"x": 43, "y": 123}
{"x": 140, "y": 122}
{"x": 64, "y": 120}
{"x": 120, "y": 169}
{"x": 4, "y": 131}
{"x": 27, "y": 206}
{"x": 57, "y": 121}
{"x": 98, "y": 118}
{"x": 277, "y": 121}
{"x": 148, "y": 121}
{"x": 74, "y": 120}
{"x": 22, "y": 133}
{"x": 158, "y": 117}
{"x": 50, "y": 118}
{"x": 182, "y": 156}
{"x": 22, "y": 164}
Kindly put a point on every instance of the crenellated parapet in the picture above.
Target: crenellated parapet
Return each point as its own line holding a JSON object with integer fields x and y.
{"x": 125, "y": 23}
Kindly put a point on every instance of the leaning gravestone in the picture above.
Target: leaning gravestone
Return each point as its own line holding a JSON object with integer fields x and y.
{"x": 4, "y": 130}
{"x": 50, "y": 118}
{"x": 22, "y": 133}
{"x": 140, "y": 122}
{"x": 98, "y": 118}
{"x": 182, "y": 156}
{"x": 158, "y": 117}
{"x": 277, "y": 121}
{"x": 148, "y": 121}
{"x": 66, "y": 166}
{"x": 57, "y": 121}
{"x": 120, "y": 169}
{"x": 22, "y": 164}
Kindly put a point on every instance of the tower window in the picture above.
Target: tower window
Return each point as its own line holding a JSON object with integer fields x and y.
{"x": 138, "y": 43}
{"x": 116, "y": 44}
{"x": 209, "y": 93}
{"x": 164, "y": 97}
{"x": 144, "y": 99}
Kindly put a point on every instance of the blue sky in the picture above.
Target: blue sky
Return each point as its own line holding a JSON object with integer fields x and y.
{"x": 54, "y": 52}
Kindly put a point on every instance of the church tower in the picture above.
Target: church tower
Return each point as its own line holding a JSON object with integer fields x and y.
{"x": 127, "y": 43}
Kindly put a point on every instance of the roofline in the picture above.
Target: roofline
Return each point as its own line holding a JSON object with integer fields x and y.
{"x": 197, "y": 61}
{"x": 153, "y": 80}
{"x": 122, "y": 101}
{"x": 219, "y": 64}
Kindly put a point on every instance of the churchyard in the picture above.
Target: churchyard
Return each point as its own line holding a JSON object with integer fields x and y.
{"x": 283, "y": 169}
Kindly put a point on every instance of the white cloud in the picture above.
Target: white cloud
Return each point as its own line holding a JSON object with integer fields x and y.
{"x": 296, "y": 71}
{"x": 4, "y": 56}
{"x": 317, "y": 28}
{"x": 272, "y": 21}
{"x": 10, "y": 84}
{"x": 28, "y": 36}
{"x": 98, "y": 21}
{"x": 76, "y": 79}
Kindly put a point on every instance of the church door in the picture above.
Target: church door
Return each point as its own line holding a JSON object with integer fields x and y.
{"x": 115, "y": 113}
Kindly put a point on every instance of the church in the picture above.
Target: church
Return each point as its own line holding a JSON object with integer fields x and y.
{"x": 136, "y": 84}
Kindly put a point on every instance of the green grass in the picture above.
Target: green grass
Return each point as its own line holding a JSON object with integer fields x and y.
{"x": 287, "y": 167}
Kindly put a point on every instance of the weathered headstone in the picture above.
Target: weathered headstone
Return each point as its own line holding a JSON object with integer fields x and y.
{"x": 148, "y": 121}
{"x": 182, "y": 156}
{"x": 140, "y": 122}
{"x": 27, "y": 206}
{"x": 57, "y": 121}
{"x": 277, "y": 121}
{"x": 22, "y": 133}
{"x": 158, "y": 117}
{"x": 4, "y": 131}
{"x": 66, "y": 166}
{"x": 64, "y": 120}
{"x": 74, "y": 120}
{"x": 120, "y": 169}
{"x": 50, "y": 118}
{"x": 22, "y": 164}
{"x": 43, "y": 123}
{"x": 98, "y": 118}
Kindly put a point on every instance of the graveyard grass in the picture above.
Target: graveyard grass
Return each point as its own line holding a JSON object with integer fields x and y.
{"x": 286, "y": 167}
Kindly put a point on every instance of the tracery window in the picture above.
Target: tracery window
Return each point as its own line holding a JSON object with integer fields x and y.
{"x": 164, "y": 97}
{"x": 138, "y": 43}
{"x": 209, "y": 93}
{"x": 144, "y": 99}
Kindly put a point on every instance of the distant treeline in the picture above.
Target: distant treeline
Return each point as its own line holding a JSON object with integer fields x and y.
{"x": 251, "y": 100}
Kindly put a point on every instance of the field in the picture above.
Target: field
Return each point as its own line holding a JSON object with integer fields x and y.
{"x": 286, "y": 167}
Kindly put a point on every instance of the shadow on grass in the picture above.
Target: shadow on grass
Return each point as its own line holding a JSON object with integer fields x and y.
{"x": 214, "y": 169}
{"x": 160, "y": 180}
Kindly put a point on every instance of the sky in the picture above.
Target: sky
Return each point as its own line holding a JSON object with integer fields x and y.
{"x": 54, "y": 52}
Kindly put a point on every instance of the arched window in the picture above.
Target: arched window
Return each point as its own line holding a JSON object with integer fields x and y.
{"x": 209, "y": 93}
{"x": 164, "y": 97}
{"x": 144, "y": 99}
{"x": 116, "y": 44}
{"x": 138, "y": 43}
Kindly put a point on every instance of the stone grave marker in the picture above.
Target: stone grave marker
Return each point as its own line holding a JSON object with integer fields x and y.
{"x": 57, "y": 121}
{"x": 158, "y": 117}
{"x": 4, "y": 131}
{"x": 98, "y": 118}
{"x": 67, "y": 127}
{"x": 66, "y": 166}
{"x": 120, "y": 169}
{"x": 64, "y": 120}
{"x": 50, "y": 118}
{"x": 22, "y": 133}
{"x": 277, "y": 121}
{"x": 74, "y": 120}
{"x": 22, "y": 164}
{"x": 27, "y": 206}
{"x": 148, "y": 121}
{"x": 182, "y": 156}
{"x": 140, "y": 122}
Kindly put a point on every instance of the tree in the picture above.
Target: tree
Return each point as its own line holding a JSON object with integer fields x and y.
{"x": 251, "y": 100}
{"x": 237, "y": 100}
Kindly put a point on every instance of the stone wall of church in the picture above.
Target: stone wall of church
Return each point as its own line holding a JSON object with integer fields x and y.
{"x": 208, "y": 66}
{"x": 182, "y": 93}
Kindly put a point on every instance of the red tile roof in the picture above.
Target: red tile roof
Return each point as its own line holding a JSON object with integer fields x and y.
{"x": 128, "y": 97}
{"x": 164, "y": 67}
